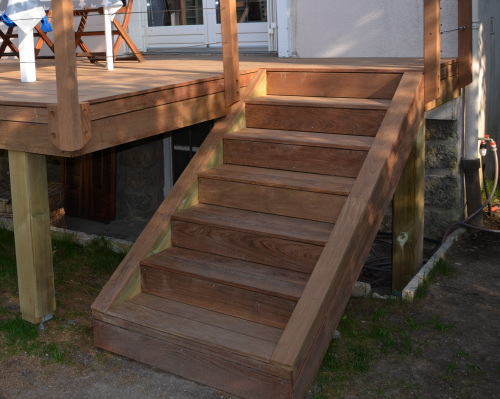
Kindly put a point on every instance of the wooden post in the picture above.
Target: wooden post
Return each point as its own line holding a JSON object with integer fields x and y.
{"x": 67, "y": 134}
{"x": 432, "y": 49}
{"x": 408, "y": 217}
{"x": 230, "y": 55}
{"x": 30, "y": 206}
{"x": 464, "y": 43}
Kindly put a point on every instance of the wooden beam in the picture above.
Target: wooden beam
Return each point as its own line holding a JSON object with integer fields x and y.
{"x": 67, "y": 134}
{"x": 30, "y": 205}
{"x": 408, "y": 217}
{"x": 432, "y": 49}
{"x": 464, "y": 42}
{"x": 230, "y": 55}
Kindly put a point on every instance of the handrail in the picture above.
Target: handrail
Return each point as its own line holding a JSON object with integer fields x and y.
{"x": 328, "y": 290}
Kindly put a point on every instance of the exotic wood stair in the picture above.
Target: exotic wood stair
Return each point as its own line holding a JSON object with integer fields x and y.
{"x": 251, "y": 266}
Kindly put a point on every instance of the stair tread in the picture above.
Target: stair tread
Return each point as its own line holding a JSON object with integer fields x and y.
{"x": 268, "y": 280}
{"x": 326, "y": 102}
{"x": 281, "y": 178}
{"x": 288, "y": 228}
{"x": 200, "y": 325}
{"x": 350, "y": 142}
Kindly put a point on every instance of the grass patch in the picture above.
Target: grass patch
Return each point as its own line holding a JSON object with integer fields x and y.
{"x": 80, "y": 271}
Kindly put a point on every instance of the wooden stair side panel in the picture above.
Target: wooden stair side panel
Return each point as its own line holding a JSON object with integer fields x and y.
{"x": 309, "y": 118}
{"x": 333, "y": 84}
{"x": 311, "y": 326}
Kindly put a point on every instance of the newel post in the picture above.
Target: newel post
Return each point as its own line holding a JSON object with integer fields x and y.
{"x": 432, "y": 50}
{"x": 66, "y": 130}
{"x": 230, "y": 55}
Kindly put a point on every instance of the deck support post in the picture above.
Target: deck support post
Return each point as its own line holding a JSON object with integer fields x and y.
{"x": 230, "y": 55}
{"x": 30, "y": 206}
{"x": 432, "y": 50}
{"x": 408, "y": 217}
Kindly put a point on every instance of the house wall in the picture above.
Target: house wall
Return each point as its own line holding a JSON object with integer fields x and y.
{"x": 364, "y": 28}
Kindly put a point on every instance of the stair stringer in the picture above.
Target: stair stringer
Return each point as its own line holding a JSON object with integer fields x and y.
{"x": 310, "y": 328}
{"x": 125, "y": 282}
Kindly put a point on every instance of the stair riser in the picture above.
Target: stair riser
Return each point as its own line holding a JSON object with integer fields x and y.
{"x": 205, "y": 367}
{"x": 333, "y": 84}
{"x": 326, "y": 161}
{"x": 242, "y": 245}
{"x": 275, "y": 200}
{"x": 248, "y": 305}
{"x": 358, "y": 122}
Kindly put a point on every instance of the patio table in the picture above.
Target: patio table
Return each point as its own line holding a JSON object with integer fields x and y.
{"x": 28, "y": 13}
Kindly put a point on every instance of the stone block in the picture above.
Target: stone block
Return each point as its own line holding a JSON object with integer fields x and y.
{"x": 439, "y": 155}
{"x": 443, "y": 191}
{"x": 440, "y": 129}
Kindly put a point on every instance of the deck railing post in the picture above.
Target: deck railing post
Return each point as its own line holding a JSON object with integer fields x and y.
{"x": 66, "y": 131}
{"x": 464, "y": 42}
{"x": 432, "y": 49}
{"x": 230, "y": 55}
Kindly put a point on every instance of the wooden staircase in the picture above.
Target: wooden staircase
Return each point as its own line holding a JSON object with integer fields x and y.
{"x": 239, "y": 280}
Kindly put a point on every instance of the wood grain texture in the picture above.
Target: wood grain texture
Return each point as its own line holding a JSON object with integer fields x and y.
{"x": 283, "y": 227}
{"x": 67, "y": 133}
{"x": 274, "y": 200}
{"x": 125, "y": 282}
{"x": 295, "y": 157}
{"x": 465, "y": 42}
{"x": 432, "y": 49}
{"x": 408, "y": 217}
{"x": 303, "y": 138}
{"x": 30, "y": 203}
{"x": 228, "y": 271}
{"x": 281, "y": 178}
{"x": 349, "y": 243}
{"x": 230, "y": 53}
{"x": 312, "y": 119}
{"x": 205, "y": 368}
{"x": 322, "y": 102}
{"x": 333, "y": 84}
{"x": 246, "y": 245}
{"x": 249, "y": 305}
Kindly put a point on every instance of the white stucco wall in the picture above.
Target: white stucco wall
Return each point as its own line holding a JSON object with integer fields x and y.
{"x": 364, "y": 28}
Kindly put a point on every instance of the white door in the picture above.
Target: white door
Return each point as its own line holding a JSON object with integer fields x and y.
{"x": 192, "y": 24}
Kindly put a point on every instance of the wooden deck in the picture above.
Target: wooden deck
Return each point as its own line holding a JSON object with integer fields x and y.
{"x": 139, "y": 100}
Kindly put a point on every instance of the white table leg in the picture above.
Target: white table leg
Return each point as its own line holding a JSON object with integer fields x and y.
{"x": 27, "y": 56}
{"x": 109, "y": 39}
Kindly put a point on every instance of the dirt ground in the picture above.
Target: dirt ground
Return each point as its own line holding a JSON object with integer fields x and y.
{"x": 459, "y": 361}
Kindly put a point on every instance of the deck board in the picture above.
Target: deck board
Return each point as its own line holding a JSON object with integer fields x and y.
{"x": 126, "y": 104}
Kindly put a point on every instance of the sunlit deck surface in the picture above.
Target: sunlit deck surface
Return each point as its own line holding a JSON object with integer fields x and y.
{"x": 138, "y": 100}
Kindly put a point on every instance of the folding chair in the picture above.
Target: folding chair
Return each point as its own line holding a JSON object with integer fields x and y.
{"x": 9, "y": 35}
{"x": 120, "y": 30}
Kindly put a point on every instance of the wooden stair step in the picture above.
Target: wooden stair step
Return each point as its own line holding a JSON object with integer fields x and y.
{"x": 316, "y": 114}
{"x": 343, "y": 141}
{"x": 229, "y": 290}
{"x": 268, "y": 280}
{"x": 199, "y": 326}
{"x": 279, "y": 192}
{"x": 325, "y": 102}
{"x": 346, "y": 84}
{"x": 331, "y": 154}
{"x": 277, "y": 226}
{"x": 273, "y": 240}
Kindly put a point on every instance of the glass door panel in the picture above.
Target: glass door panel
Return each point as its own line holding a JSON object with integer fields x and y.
{"x": 175, "y": 12}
